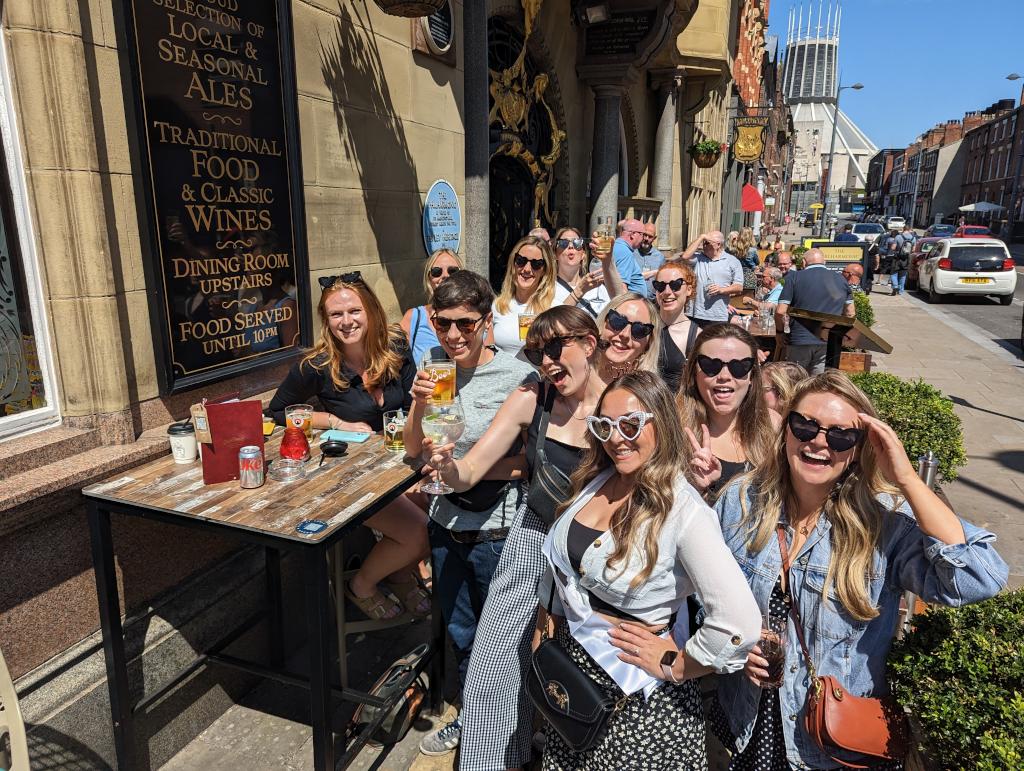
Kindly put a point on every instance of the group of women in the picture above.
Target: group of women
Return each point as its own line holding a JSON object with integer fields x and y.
{"x": 657, "y": 466}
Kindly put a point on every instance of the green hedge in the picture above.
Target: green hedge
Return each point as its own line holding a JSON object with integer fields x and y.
{"x": 921, "y": 416}
{"x": 961, "y": 673}
{"x": 864, "y": 312}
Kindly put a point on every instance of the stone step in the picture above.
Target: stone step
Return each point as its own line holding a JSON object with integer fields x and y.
{"x": 41, "y": 448}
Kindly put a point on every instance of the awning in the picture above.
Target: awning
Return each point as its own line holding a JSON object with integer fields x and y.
{"x": 982, "y": 206}
{"x": 751, "y": 199}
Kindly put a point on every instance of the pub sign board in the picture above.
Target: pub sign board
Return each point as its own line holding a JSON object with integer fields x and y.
{"x": 221, "y": 184}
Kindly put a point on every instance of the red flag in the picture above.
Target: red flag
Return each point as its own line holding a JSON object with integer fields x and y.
{"x": 751, "y": 199}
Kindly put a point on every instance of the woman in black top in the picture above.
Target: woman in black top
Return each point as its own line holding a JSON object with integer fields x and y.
{"x": 359, "y": 370}
{"x": 674, "y": 285}
{"x": 723, "y": 408}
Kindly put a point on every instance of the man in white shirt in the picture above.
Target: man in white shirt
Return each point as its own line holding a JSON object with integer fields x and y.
{"x": 719, "y": 277}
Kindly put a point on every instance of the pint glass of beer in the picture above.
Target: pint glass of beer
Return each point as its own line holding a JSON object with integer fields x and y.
{"x": 300, "y": 416}
{"x": 394, "y": 430}
{"x": 525, "y": 319}
{"x": 442, "y": 372}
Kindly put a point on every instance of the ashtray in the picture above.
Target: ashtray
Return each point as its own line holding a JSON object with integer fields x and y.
{"x": 287, "y": 470}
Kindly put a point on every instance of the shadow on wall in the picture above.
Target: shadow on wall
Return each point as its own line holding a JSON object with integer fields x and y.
{"x": 375, "y": 143}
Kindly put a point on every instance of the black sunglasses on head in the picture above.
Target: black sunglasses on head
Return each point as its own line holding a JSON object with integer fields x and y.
{"x": 552, "y": 348}
{"x": 521, "y": 261}
{"x": 327, "y": 282}
{"x": 565, "y": 243}
{"x": 839, "y": 439}
{"x": 676, "y": 284}
{"x": 437, "y": 270}
{"x": 466, "y": 326}
{"x": 738, "y": 368}
{"x": 638, "y": 329}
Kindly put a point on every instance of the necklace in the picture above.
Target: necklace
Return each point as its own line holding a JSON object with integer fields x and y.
{"x": 622, "y": 369}
{"x": 683, "y": 320}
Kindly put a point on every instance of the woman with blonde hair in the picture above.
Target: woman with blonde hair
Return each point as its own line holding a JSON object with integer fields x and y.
{"x": 721, "y": 402}
{"x": 839, "y": 504}
{"x": 630, "y": 324}
{"x": 630, "y": 544}
{"x": 588, "y": 289}
{"x": 359, "y": 370}
{"x": 778, "y": 379}
{"x": 530, "y": 287}
{"x": 746, "y": 249}
{"x": 416, "y": 323}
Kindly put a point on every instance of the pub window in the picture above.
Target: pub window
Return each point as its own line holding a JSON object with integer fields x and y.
{"x": 26, "y": 382}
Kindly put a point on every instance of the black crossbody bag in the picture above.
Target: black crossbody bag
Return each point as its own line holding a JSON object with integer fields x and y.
{"x": 573, "y": 704}
{"x": 549, "y": 487}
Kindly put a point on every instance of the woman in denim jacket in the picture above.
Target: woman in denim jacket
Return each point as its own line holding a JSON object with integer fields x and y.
{"x": 851, "y": 506}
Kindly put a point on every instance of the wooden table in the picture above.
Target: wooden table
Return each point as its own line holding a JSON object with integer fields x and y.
{"x": 342, "y": 494}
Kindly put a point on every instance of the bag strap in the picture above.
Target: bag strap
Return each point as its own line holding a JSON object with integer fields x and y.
{"x": 551, "y": 602}
{"x": 794, "y": 609}
{"x": 415, "y": 329}
{"x": 582, "y": 302}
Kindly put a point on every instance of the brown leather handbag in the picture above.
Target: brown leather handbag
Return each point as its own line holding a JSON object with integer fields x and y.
{"x": 836, "y": 719}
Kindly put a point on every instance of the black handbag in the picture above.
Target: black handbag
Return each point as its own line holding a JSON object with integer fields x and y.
{"x": 573, "y": 704}
{"x": 549, "y": 487}
{"x": 483, "y": 496}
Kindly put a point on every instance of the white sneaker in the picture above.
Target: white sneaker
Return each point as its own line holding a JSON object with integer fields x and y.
{"x": 442, "y": 740}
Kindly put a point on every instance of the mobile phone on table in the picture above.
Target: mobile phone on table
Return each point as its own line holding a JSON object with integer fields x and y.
{"x": 344, "y": 436}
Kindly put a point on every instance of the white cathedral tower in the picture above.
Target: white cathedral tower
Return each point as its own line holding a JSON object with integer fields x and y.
{"x": 810, "y": 79}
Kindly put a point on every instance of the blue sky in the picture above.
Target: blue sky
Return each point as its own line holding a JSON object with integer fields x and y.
{"x": 921, "y": 61}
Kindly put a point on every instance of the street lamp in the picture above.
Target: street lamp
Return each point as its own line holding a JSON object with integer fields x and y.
{"x": 831, "y": 158}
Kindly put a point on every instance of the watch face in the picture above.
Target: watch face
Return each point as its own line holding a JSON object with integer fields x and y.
{"x": 669, "y": 658}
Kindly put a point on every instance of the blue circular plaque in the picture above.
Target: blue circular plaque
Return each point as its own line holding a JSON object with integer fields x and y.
{"x": 442, "y": 218}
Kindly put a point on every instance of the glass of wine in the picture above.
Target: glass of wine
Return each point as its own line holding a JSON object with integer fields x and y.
{"x": 442, "y": 424}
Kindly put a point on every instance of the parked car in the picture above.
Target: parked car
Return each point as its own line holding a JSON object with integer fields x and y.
{"x": 805, "y": 219}
{"x": 968, "y": 266}
{"x": 973, "y": 231}
{"x": 922, "y": 248}
{"x": 895, "y": 222}
{"x": 939, "y": 230}
{"x": 867, "y": 231}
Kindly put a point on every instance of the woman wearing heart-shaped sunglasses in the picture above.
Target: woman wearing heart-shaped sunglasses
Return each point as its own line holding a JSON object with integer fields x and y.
{"x": 860, "y": 529}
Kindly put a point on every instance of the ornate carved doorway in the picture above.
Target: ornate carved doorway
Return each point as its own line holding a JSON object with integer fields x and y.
{"x": 526, "y": 142}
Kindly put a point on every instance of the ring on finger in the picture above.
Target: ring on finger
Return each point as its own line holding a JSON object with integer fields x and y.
{"x": 636, "y": 651}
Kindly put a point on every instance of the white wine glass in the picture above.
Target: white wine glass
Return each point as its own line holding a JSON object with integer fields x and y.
{"x": 442, "y": 424}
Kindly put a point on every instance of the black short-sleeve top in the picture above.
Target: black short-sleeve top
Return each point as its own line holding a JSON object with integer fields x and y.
{"x": 354, "y": 404}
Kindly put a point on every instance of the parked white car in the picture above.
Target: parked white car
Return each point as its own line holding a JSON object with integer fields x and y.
{"x": 968, "y": 266}
{"x": 867, "y": 231}
{"x": 895, "y": 222}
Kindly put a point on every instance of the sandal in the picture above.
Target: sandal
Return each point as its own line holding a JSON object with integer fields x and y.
{"x": 413, "y": 595}
{"x": 377, "y": 606}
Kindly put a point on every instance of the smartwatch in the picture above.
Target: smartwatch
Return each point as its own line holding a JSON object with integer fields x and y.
{"x": 667, "y": 660}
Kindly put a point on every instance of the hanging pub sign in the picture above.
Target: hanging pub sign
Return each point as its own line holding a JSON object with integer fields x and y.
{"x": 748, "y": 144}
{"x": 215, "y": 104}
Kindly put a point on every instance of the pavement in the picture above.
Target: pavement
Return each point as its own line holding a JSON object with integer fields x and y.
{"x": 985, "y": 381}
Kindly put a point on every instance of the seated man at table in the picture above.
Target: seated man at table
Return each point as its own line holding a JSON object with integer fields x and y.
{"x": 768, "y": 292}
{"x": 467, "y": 530}
{"x": 815, "y": 288}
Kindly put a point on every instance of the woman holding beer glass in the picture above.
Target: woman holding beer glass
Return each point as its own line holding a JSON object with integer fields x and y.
{"x": 590, "y": 285}
{"x": 359, "y": 370}
{"x": 674, "y": 284}
{"x": 859, "y": 528}
{"x": 565, "y": 346}
{"x": 416, "y": 322}
{"x": 530, "y": 287}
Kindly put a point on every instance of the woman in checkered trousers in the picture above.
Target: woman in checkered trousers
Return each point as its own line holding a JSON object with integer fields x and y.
{"x": 575, "y": 363}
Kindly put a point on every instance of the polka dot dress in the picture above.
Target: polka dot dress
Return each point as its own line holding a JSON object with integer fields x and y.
{"x": 766, "y": 750}
{"x": 662, "y": 733}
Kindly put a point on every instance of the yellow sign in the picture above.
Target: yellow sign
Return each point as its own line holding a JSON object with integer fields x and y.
{"x": 749, "y": 143}
{"x": 817, "y": 206}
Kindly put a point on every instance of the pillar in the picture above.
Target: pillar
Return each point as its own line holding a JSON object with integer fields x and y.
{"x": 664, "y": 157}
{"x": 476, "y": 228}
{"x": 604, "y": 162}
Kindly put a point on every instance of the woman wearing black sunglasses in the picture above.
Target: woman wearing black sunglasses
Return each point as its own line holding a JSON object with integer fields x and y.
{"x": 859, "y": 528}
{"x": 631, "y": 333}
{"x": 722, "y": 404}
{"x": 674, "y": 285}
{"x": 588, "y": 289}
{"x": 530, "y": 287}
{"x": 563, "y": 344}
{"x": 416, "y": 322}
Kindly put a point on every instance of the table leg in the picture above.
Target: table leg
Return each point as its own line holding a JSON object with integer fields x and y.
{"x": 113, "y": 635}
{"x": 834, "y": 346}
{"x": 437, "y": 662}
{"x": 275, "y": 614}
{"x": 318, "y": 616}
{"x": 338, "y": 563}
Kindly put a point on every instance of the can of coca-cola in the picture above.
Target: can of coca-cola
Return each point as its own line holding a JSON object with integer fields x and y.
{"x": 250, "y": 467}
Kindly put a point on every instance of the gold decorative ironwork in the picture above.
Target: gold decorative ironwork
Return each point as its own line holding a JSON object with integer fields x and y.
{"x": 514, "y": 94}
{"x": 749, "y": 143}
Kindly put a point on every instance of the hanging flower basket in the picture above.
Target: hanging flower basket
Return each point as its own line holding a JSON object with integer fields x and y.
{"x": 410, "y": 8}
{"x": 705, "y": 154}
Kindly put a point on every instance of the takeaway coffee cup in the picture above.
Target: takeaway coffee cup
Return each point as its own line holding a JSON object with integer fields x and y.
{"x": 183, "y": 442}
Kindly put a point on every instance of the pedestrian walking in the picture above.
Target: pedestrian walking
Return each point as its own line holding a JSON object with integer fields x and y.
{"x": 886, "y": 256}
{"x": 901, "y": 262}
{"x": 815, "y": 288}
{"x": 847, "y": 236}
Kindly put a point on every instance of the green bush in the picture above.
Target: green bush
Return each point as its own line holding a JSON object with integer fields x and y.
{"x": 706, "y": 146}
{"x": 961, "y": 673}
{"x": 864, "y": 312}
{"x": 920, "y": 415}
